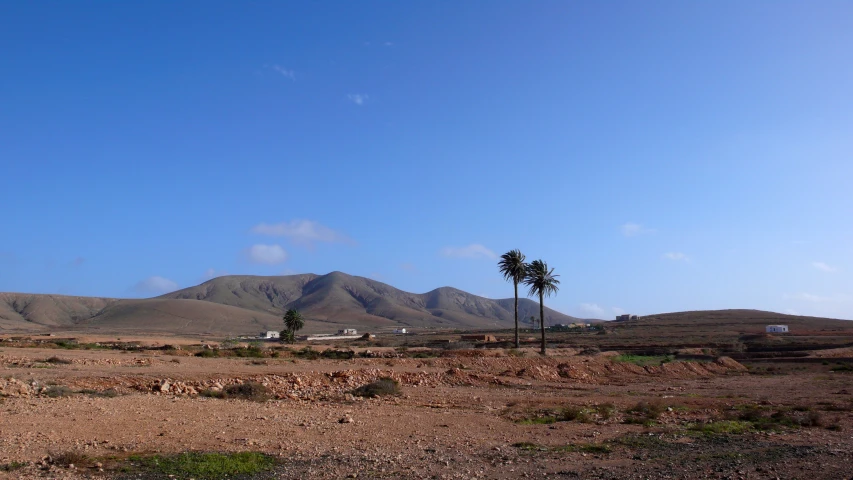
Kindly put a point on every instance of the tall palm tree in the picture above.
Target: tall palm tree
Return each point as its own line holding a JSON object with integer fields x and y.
{"x": 513, "y": 268}
{"x": 542, "y": 282}
{"x": 293, "y": 321}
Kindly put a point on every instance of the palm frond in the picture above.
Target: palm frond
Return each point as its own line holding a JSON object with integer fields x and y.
{"x": 512, "y": 265}
{"x": 540, "y": 279}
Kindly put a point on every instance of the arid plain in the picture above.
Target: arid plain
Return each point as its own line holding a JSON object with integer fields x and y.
{"x": 632, "y": 400}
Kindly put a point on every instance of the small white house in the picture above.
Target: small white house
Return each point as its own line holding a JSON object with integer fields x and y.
{"x": 777, "y": 329}
{"x": 399, "y": 331}
{"x": 270, "y": 334}
{"x": 347, "y": 331}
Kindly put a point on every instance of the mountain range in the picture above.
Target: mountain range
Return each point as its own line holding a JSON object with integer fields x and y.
{"x": 243, "y": 304}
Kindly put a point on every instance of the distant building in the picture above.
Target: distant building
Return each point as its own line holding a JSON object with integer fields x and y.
{"x": 776, "y": 329}
{"x": 626, "y": 317}
{"x": 347, "y": 331}
{"x": 400, "y": 331}
{"x": 480, "y": 338}
{"x": 270, "y": 334}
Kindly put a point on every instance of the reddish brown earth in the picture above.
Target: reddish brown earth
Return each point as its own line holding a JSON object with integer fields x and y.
{"x": 458, "y": 416}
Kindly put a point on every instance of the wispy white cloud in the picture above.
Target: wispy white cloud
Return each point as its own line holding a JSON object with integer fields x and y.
{"x": 475, "y": 250}
{"x": 155, "y": 284}
{"x": 358, "y": 98}
{"x": 304, "y": 232}
{"x": 592, "y": 309}
{"x": 632, "y": 229}
{"x": 618, "y": 311}
{"x": 676, "y": 256}
{"x": 824, "y": 267}
{"x": 266, "y": 254}
{"x": 284, "y": 72}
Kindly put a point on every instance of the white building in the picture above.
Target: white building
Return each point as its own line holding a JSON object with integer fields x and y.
{"x": 777, "y": 329}
{"x": 399, "y": 330}
{"x": 270, "y": 334}
{"x": 347, "y": 331}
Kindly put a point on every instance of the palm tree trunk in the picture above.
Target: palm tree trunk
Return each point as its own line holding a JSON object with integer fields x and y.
{"x": 516, "y": 314}
{"x": 542, "y": 319}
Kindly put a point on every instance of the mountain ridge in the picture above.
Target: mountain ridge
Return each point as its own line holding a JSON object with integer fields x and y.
{"x": 245, "y": 304}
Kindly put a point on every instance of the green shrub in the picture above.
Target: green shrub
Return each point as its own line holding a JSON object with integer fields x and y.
{"x": 207, "y": 353}
{"x": 574, "y": 413}
{"x": 645, "y": 360}
{"x": 650, "y": 410}
{"x": 605, "y": 410}
{"x": 207, "y": 465}
{"x": 307, "y": 353}
{"x": 382, "y": 387}
{"x": 338, "y": 354}
{"x": 12, "y": 466}
{"x": 251, "y": 351}
{"x": 735, "y": 427}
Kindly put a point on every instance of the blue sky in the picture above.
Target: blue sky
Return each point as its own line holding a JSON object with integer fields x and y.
{"x": 662, "y": 156}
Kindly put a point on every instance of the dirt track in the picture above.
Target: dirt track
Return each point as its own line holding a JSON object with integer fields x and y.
{"x": 458, "y": 417}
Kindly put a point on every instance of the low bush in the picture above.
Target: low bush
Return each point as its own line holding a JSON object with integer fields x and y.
{"x": 207, "y": 353}
{"x": 605, "y": 410}
{"x": 650, "y": 410}
{"x": 251, "y": 351}
{"x": 307, "y": 353}
{"x": 338, "y": 354}
{"x": 57, "y": 361}
{"x": 206, "y": 465}
{"x": 12, "y": 466}
{"x": 574, "y": 414}
{"x": 71, "y": 457}
{"x": 56, "y": 391}
{"x": 248, "y": 391}
{"x": 382, "y": 387}
{"x": 108, "y": 393}
{"x": 735, "y": 427}
{"x": 645, "y": 360}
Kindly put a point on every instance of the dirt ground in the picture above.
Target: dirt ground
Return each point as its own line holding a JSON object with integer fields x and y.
{"x": 462, "y": 415}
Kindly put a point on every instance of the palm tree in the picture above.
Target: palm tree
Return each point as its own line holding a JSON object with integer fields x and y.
{"x": 542, "y": 282}
{"x": 293, "y": 321}
{"x": 513, "y": 268}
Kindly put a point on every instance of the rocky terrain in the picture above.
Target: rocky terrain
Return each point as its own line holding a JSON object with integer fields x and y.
{"x": 459, "y": 414}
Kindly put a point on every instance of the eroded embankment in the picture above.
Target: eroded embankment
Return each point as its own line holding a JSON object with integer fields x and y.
{"x": 331, "y": 384}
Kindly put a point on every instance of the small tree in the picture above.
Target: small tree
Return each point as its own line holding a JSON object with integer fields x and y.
{"x": 293, "y": 322}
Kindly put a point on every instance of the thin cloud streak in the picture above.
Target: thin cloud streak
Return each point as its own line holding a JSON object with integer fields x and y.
{"x": 304, "y": 232}
{"x": 473, "y": 251}
{"x": 824, "y": 267}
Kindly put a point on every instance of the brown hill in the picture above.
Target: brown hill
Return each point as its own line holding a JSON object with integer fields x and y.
{"x": 341, "y": 299}
{"x": 249, "y": 304}
{"x": 741, "y": 320}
